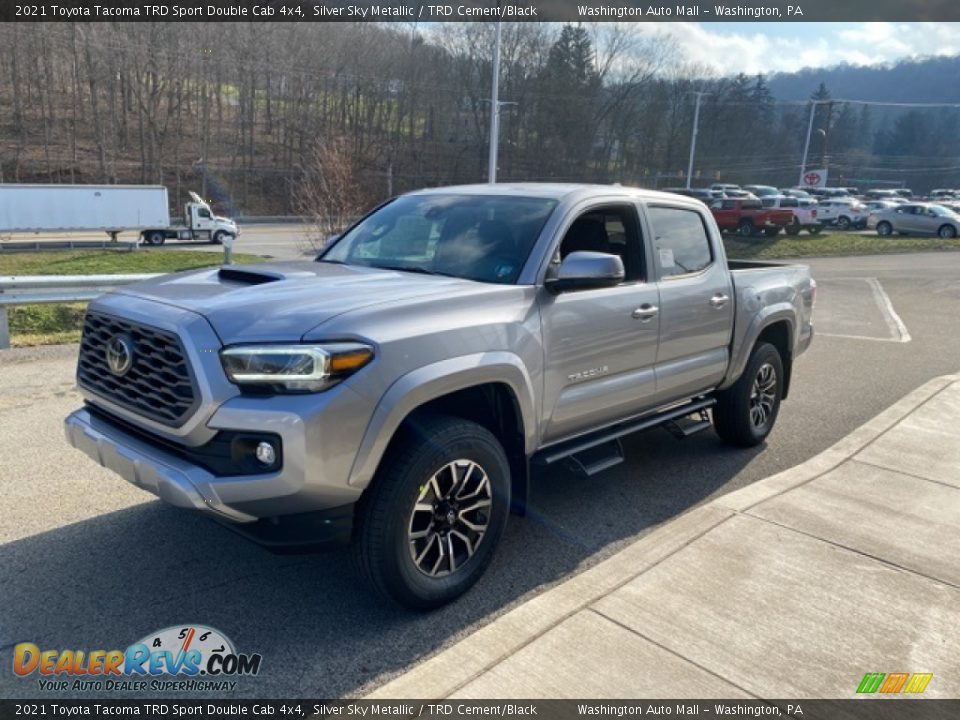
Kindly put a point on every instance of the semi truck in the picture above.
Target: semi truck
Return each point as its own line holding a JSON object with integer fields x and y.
{"x": 109, "y": 208}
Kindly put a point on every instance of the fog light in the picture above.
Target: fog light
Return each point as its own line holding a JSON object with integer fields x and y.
{"x": 266, "y": 454}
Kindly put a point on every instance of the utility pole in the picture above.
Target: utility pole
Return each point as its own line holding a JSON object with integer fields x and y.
{"x": 495, "y": 109}
{"x": 693, "y": 136}
{"x": 806, "y": 146}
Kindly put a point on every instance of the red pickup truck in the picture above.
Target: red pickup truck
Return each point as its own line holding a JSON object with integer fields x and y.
{"x": 749, "y": 217}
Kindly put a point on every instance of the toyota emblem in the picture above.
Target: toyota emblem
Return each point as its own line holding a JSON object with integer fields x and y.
{"x": 119, "y": 354}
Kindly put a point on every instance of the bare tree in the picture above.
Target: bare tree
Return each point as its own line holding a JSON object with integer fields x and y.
{"x": 327, "y": 192}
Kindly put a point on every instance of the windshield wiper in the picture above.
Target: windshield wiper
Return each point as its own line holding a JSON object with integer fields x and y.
{"x": 407, "y": 268}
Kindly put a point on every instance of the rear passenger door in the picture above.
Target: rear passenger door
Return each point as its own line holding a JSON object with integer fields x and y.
{"x": 696, "y": 302}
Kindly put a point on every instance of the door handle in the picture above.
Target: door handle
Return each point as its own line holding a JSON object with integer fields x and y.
{"x": 645, "y": 312}
{"x": 719, "y": 300}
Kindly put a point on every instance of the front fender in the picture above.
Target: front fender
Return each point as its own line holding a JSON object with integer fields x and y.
{"x": 431, "y": 382}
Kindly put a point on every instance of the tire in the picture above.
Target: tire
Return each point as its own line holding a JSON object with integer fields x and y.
{"x": 884, "y": 229}
{"x": 814, "y": 229}
{"x": 434, "y": 455}
{"x": 745, "y": 228}
{"x": 156, "y": 238}
{"x": 741, "y": 418}
{"x": 793, "y": 228}
{"x": 947, "y": 232}
{"x": 771, "y": 231}
{"x": 843, "y": 222}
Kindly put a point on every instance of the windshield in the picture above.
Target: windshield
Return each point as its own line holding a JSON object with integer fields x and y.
{"x": 476, "y": 237}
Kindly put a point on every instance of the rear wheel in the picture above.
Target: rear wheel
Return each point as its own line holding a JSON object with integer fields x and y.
{"x": 884, "y": 228}
{"x": 747, "y": 411}
{"x": 814, "y": 229}
{"x": 745, "y": 228}
{"x": 156, "y": 238}
{"x": 843, "y": 222}
{"x": 429, "y": 524}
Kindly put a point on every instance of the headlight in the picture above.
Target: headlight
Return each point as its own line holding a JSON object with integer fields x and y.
{"x": 294, "y": 368}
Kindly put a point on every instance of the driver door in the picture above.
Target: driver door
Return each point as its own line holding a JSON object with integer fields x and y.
{"x": 600, "y": 345}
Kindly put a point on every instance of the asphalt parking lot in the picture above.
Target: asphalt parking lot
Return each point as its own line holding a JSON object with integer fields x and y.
{"x": 88, "y": 561}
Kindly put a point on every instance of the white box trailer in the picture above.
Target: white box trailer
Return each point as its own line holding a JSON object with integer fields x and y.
{"x": 108, "y": 208}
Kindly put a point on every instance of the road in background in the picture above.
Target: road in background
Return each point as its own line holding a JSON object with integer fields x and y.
{"x": 89, "y": 561}
{"x": 284, "y": 241}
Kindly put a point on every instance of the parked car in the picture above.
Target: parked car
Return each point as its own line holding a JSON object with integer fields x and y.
{"x": 762, "y": 190}
{"x": 943, "y": 194}
{"x": 881, "y": 194}
{"x": 917, "y": 219}
{"x": 904, "y": 193}
{"x": 845, "y": 213}
{"x": 395, "y": 392}
{"x": 877, "y": 205}
{"x": 804, "y": 211}
{"x": 795, "y": 192}
{"x": 740, "y": 194}
{"x": 748, "y": 217}
{"x": 724, "y": 187}
{"x": 705, "y": 195}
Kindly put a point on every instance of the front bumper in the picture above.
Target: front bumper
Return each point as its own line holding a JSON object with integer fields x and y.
{"x": 172, "y": 479}
{"x": 248, "y": 504}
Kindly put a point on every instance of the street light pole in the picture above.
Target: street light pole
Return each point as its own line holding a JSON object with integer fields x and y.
{"x": 495, "y": 111}
{"x": 693, "y": 137}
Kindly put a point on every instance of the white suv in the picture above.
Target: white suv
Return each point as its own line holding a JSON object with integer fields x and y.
{"x": 845, "y": 213}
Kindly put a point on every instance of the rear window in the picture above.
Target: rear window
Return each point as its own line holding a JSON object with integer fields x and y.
{"x": 680, "y": 240}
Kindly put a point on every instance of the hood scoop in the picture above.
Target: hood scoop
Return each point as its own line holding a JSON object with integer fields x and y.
{"x": 249, "y": 275}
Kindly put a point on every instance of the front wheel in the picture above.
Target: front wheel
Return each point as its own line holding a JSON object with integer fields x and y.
{"x": 429, "y": 524}
{"x": 747, "y": 411}
{"x": 771, "y": 231}
{"x": 156, "y": 238}
{"x": 814, "y": 229}
{"x": 843, "y": 222}
{"x": 947, "y": 232}
{"x": 745, "y": 228}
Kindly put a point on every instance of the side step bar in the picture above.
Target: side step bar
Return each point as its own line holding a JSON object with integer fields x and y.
{"x": 601, "y": 450}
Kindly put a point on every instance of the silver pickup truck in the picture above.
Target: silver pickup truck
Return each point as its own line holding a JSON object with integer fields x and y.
{"x": 400, "y": 390}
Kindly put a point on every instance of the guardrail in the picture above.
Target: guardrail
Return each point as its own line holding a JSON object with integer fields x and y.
{"x": 42, "y": 289}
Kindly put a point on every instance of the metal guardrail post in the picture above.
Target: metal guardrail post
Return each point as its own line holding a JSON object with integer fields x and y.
{"x": 4, "y": 329}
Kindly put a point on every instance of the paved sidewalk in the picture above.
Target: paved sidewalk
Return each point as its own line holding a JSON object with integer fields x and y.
{"x": 793, "y": 587}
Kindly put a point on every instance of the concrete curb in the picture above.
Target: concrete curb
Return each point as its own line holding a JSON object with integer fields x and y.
{"x": 443, "y": 674}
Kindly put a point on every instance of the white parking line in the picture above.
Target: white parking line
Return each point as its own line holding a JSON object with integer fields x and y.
{"x": 898, "y": 330}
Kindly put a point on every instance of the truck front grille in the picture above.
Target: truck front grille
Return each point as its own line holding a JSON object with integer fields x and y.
{"x": 158, "y": 384}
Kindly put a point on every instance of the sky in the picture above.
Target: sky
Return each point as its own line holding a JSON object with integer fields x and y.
{"x": 753, "y": 48}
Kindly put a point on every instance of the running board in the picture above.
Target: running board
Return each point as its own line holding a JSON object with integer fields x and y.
{"x": 579, "y": 446}
{"x": 597, "y": 459}
{"x": 685, "y": 427}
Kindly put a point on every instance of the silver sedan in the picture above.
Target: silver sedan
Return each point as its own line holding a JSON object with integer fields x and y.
{"x": 916, "y": 219}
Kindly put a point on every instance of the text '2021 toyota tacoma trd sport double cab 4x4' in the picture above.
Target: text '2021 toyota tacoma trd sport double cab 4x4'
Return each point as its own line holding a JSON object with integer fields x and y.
{"x": 397, "y": 391}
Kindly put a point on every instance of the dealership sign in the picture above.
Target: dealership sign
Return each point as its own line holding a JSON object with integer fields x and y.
{"x": 815, "y": 178}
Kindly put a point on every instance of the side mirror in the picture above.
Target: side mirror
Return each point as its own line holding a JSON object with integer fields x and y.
{"x": 586, "y": 271}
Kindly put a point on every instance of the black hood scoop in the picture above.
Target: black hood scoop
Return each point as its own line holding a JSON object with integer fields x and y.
{"x": 250, "y": 275}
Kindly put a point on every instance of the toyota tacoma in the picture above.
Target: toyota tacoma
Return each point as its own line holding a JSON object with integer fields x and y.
{"x": 399, "y": 391}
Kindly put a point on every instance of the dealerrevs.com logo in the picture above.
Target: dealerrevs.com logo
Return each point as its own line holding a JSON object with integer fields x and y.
{"x": 198, "y": 657}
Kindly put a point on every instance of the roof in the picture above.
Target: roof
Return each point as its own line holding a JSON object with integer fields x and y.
{"x": 556, "y": 191}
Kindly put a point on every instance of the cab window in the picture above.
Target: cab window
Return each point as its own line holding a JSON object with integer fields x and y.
{"x": 681, "y": 244}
